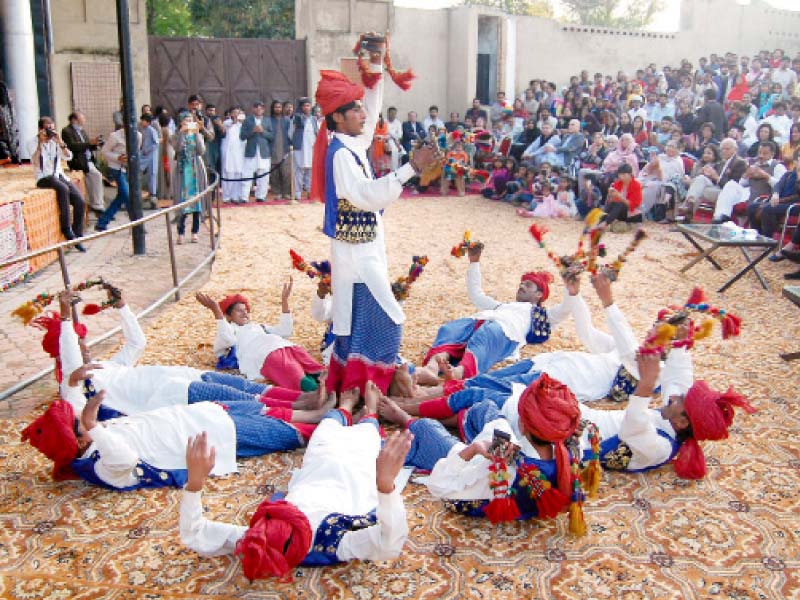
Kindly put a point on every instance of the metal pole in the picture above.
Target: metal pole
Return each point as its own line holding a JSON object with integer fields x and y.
{"x": 291, "y": 174}
{"x": 131, "y": 123}
{"x": 172, "y": 264}
{"x": 210, "y": 198}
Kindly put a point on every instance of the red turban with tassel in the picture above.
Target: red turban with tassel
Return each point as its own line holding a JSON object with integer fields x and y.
{"x": 52, "y": 434}
{"x": 542, "y": 279}
{"x": 549, "y": 411}
{"x": 50, "y": 323}
{"x": 333, "y": 91}
{"x": 710, "y": 413}
{"x": 278, "y": 540}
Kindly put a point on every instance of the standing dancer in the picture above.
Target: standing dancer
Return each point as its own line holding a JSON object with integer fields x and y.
{"x": 367, "y": 319}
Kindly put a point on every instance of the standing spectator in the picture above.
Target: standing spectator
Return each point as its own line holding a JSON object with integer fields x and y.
{"x": 257, "y": 132}
{"x": 233, "y": 159}
{"x": 413, "y": 131}
{"x": 712, "y": 112}
{"x": 190, "y": 173}
{"x": 303, "y": 132}
{"x": 432, "y": 118}
{"x": 476, "y": 111}
{"x": 166, "y": 156}
{"x": 47, "y": 153}
{"x": 280, "y": 178}
{"x": 378, "y": 151}
{"x": 203, "y": 122}
{"x": 150, "y": 155}
{"x": 395, "y": 138}
{"x": 786, "y": 77}
{"x": 82, "y": 146}
{"x": 288, "y": 109}
{"x": 214, "y": 145}
{"x": 115, "y": 153}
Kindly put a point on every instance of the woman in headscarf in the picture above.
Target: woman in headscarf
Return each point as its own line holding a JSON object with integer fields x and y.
{"x": 189, "y": 178}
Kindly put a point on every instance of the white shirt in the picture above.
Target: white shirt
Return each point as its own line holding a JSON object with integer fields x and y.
{"x": 129, "y": 389}
{"x": 364, "y": 263}
{"x": 253, "y": 342}
{"x": 47, "y": 159}
{"x": 428, "y": 122}
{"x": 115, "y": 147}
{"x": 158, "y": 438}
{"x": 232, "y": 148}
{"x": 304, "y": 157}
{"x": 396, "y": 133}
{"x": 513, "y": 317}
{"x": 321, "y": 311}
{"x": 781, "y": 125}
{"x": 337, "y": 476}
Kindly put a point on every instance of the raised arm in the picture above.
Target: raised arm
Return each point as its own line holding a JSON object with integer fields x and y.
{"x": 135, "y": 340}
{"x": 285, "y": 326}
{"x": 474, "y": 285}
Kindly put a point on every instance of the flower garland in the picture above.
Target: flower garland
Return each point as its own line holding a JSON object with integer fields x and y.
{"x": 320, "y": 269}
{"x": 402, "y": 286}
{"x": 465, "y": 245}
{"x": 502, "y": 506}
{"x": 663, "y": 338}
{"x": 370, "y": 78}
{"x": 33, "y": 308}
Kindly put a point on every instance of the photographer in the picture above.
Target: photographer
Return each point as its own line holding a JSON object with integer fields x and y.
{"x": 47, "y": 153}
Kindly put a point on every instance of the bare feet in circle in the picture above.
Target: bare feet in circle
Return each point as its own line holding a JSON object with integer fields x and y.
{"x": 348, "y": 400}
{"x": 392, "y": 412}
{"x": 371, "y": 396}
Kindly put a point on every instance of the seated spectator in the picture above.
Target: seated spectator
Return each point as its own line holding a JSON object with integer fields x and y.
{"x": 636, "y": 109}
{"x": 709, "y": 183}
{"x": 589, "y": 197}
{"x": 745, "y": 121}
{"x": 546, "y": 117}
{"x": 519, "y": 114}
{"x": 497, "y": 108}
{"x": 625, "y": 153}
{"x": 764, "y": 133}
{"x": 455, "y": 166}
{"x": 705, "y": 135}
{"x": 625, "y": 125}
{"x": 495, "y": 187}
{"x": 712, "y": 111}
{"x": 453, "y": 123}
{"x": 571, "y": 144}
{"x": 791, "y": 147}
{"x": 591, "y": 159}
{"x": 665, "y": 108}
{"x": 476, "y": 112}
{"x": 736, "y": 134}
{"x": 660, "y": 177}
{"x": 610, "y": 123}
{"x": 549, "y": 207}
{"x": 624, "y": 199}
{"x": 48, "y": 153}
{"x": 664, "y": 132}
{"x": 639, "y": 131}
{"x": 530, "y": 102}
{"x": 520, "y": 188}
{"x": 432, "y": 119}
{"x": 524, "y": 139}
{"x": 780, "y": 122}
{"x": 685, "y": 118}
{"x": 764, "y": 215}
{"x": 543, "y": 149}
{"x": 413, "y": 132}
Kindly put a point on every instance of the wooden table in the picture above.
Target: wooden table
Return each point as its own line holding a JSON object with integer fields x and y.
{"x": 792, "y": 293}
{"x": 719, "y": 236}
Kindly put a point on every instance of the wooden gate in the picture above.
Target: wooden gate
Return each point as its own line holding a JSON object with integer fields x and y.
{"x": 225, "y": 71}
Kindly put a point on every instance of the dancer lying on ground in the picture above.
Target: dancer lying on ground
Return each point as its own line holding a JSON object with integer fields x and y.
{"x": 607, "y": 370}
{"x": 131, "y": 389}
{"x": 259, "y": 350}
{"x": 485, "y": 478}
{"x": 495, "y": 333}
{"x": 341, "y": 504}
{"x": 148, "y": 449}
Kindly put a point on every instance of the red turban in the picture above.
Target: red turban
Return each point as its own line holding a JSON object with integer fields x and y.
{"x": 542, "y": 279}
{"x": 50, "y": 323}
{"x": 229, "y": 301}
{"x": 710, "y": 413}
{"x": 333, "y": 91}
{"x": 549, "y": 411}
{"x": 279, "y": 538}
{"x": 52, "y": 434}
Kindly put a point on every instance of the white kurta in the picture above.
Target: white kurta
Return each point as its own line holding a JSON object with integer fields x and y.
{"x": 321, "y": 311}
{"x": 158, "y": 438}
{"x": 232, "y": 149}
{"x": 513, "y": 317}
{"x": 253, "y": 342}
{"x": 364, "y": 263}
{"x": 337, "y": 476}
{"x": 129, "y": 389}
{"x": 304, "y": 157}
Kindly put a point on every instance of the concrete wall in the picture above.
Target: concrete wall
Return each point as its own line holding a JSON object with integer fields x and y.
{"x": 86, "y": 31}
{"x": 442, "y": 45}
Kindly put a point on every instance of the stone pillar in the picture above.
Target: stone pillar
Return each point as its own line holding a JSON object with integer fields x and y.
{"x": 20, "y": 69}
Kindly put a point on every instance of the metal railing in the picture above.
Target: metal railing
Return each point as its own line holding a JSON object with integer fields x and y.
{"x": 211, "y": 205}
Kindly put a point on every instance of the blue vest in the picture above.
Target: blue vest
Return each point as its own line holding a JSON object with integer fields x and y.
{"x": 540, "y": 326}
{"x": 343, "y": 221}
{"x": 299, "y": 127}
{"x": 147, "y": 475}
{"x": 615, "y": 454}
{"x": 527, "y": 506}
{"x": 228, "y": 361}
{"x": 623, "y": 385}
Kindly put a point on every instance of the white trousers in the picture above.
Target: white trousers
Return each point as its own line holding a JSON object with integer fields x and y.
{"x": 730, "y": 195}
{"x": 250, "y": 168}
{"x": 94, "y": 188}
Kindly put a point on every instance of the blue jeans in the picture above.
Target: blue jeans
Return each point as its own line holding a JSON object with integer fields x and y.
{"x": 121, "y": 178}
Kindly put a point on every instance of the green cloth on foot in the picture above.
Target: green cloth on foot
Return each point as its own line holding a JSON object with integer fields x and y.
{"x": 308, "y": 384}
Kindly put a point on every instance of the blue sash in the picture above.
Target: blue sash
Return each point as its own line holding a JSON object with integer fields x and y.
{"x": 147, "y": 475}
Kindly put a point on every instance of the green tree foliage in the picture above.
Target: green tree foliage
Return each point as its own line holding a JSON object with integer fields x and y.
{"x": 532, "y": 8}
{"x": 618, "y": 14}
{"x": 273, "y": 19}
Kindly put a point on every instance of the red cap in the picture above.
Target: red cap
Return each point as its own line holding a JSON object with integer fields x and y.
{"x": 542, "y": 279}
{"x": 710, "y": 413}
{"x": 549, "y": 411}
{"x": 279, "y": 538}
{"x": 229, "y": 301}
{"x": 52, "y": 434}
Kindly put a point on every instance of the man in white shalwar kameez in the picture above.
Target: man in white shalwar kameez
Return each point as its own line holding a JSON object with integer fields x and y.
{"x": 233, "y": 160}
{"x": 303, "y": 131}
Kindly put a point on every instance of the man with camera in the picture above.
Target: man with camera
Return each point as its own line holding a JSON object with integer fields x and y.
{"x": 48, "y": 151}
{"x": 82, "y": 148}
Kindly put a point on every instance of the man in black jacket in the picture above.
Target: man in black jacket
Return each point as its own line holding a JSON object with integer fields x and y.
{"x": 712, "y": 112}
{"x": 82, "y": 146}
{"x": 412, "y": 132}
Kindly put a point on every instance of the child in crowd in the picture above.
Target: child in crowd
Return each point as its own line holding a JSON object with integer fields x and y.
{"x": 455, "y": 166}
{"x": 496, "y": 185}
{"x": 566, "y": 196}
{"x": 548, "y": 208}
{"x": 519, "y": 186}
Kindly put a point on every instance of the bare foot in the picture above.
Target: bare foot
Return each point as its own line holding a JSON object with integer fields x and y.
{"x": 322, "y": 391}
{"x": 425, "y": 376}
{"x": 389, "y": 410}
{"x": 411, "y": 406}
{"x": 371, "y": 396}
{"x": 446, "y": 368}
{"x": 348, "y": 400}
